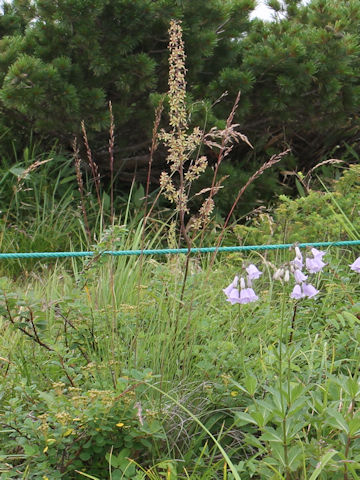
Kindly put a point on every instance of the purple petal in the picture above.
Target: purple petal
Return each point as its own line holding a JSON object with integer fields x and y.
{"x": 232, "y": 285}
{"x": 299, "y": 276}
{"x": 308, "y": 290}
{"x": 253, "y": 272}
{"x": 315, "y": 264}
{"x": 298, "y": 260}
{"x": 247, "y": 295}
{"x": 297, "y": 293}
{"x": 234, "y": 296}
{"x": 318, "y": 253}
{"x": 356, "y": 265}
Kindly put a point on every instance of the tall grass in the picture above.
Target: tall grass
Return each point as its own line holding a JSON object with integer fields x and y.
{"x": 126, "y": 367}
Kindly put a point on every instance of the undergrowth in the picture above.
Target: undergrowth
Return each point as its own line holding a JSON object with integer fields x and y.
{"x": 137, "y": 367}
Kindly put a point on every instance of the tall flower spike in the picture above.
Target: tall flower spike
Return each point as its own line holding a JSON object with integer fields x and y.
{"x": 177, "y": 72}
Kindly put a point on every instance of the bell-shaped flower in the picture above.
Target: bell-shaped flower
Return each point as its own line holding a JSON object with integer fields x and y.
{"x": 315, "y": 265}
{"x": 299, "y": 276}
{"x": 242, "y": 295}
{"x": 231, "y": 287}
{"x": 303, "y": 290}
{"x": 317, "y": 253}
{"x": 298, "y": 262}
{"x": 247, "y": 295}
{"x": 253, "y": 272}
{"x": 286, "y": 275}
{"x": 279, "y": 274}
{"x": 356, "y": 265}
{"x": 233, "y": 297}
{"x": 297, "y": 293}
{"x": 309, "y": 290}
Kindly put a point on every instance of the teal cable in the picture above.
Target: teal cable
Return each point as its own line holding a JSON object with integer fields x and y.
{"x": 167, "y": 251}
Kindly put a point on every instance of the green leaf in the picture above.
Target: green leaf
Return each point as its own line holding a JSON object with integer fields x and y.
{"x": 243, "y": 418}
{"x": 240, "y": 387}
{"x": 325, "y": 459}
{"x": 272, "y": 435}
{"x": 336, "y": 420}
{"x": 354, "y": 426}
{"x": 250, "y": 384}
{"x": 85, "y": 455}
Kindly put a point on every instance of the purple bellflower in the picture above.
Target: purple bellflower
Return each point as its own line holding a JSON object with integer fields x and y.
{"x": 304, "y": 290}
{"x": 356, "y": 265}
{"x": 248, "y": 295}
{"x": 231, "y": 287}
{"x": 297, "y": 292}
{"x": 315, "y": 264}
{"x": 245, "y": 295}
{"x": 309, "y": 290}
{"x": 234, "y": 296}
{"x": 298, "y": 262}
{"x": 299, "y": 276}
{"x": 253, "y": 272}
{"x": 317, "y": 253}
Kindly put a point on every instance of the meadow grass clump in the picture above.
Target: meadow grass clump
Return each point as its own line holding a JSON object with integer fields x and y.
{"x": 151, "y": 368}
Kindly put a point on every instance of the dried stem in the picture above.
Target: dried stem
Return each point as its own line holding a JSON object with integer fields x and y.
{"x": 81, "y": 188}
{"x": 111, "y": 158}
{"x": 153, "y": 148}
{"x": 92, "y": 164}
{"x": 273, "y": 160}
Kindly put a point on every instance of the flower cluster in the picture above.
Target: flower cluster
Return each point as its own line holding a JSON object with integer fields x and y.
{"x": 314, "y": 264}
{"x": 244, "y": 294}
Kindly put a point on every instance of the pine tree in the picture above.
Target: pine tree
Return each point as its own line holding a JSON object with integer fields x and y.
{"x": 299, "y": 78}
{"x": 73, "y": 56}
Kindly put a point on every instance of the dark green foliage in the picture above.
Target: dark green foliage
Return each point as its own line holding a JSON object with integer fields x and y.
{"x": 75, "y": 55}
{"x": 299, "y": 79}
{"x": 318, "y": 216}
{"x": 61, "y": 62}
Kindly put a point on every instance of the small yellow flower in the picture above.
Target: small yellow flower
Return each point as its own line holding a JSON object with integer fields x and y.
{"x": 120, "y": 424}
{"x": 234, "y": 393}
{"x": 46, "y": 449}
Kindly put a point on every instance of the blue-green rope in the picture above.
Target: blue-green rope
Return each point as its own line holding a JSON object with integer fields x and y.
{"x": 167, "y": 251}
